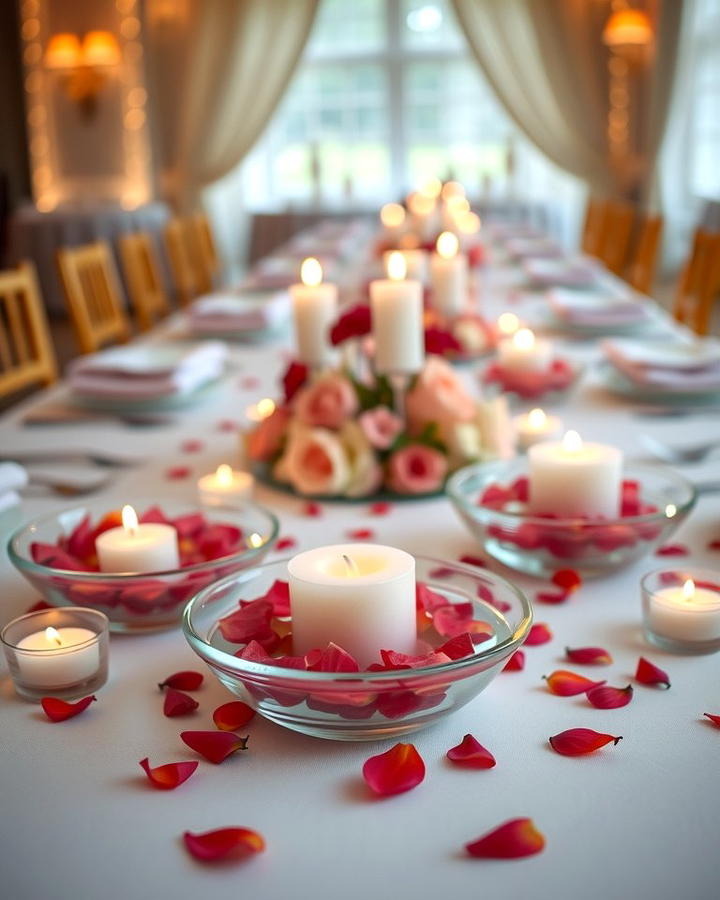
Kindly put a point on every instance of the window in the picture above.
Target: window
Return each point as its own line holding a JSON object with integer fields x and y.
{"x": 704, "y": 130}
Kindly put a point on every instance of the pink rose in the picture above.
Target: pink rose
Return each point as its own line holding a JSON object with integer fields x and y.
{"x": 265, "y": 440}
{"x": 438, "y": 396}
{"x": 327, "y": 403}
{"x": 380, "y": 426}
{"x": 314, "y": 462}
{"x": 416, "y": 469}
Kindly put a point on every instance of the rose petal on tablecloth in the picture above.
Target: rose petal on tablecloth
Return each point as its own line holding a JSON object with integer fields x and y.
{"x": 223, "y": 843}
{"x": 215, "y": 746}
{"x": 516, "y": 663}
{"x": 177, "y": 703}
{"x": 649, "y": 673}
{"x": 606, "y": 697}
{"x": 397, "y": 770}
{"x": 186, "y": 680}
{"x": 170, "y": 775}
{"x": 470, "y": 754}
{"x": 539, "y": 634}
{"x": 511, "y": 840}
{"x": 589, "y": 656}
{"x": 563, "y": 683}
{"x": 59, "y": 710}
{"x": 233, "y": 715}
{"x": 580, "y": 741}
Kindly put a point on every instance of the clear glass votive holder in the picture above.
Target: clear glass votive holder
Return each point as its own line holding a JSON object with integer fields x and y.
{"x": 681, "y": 610}
{"x": 57, "y": 652}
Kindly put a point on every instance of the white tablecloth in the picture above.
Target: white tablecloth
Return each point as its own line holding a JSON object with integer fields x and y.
{"x": 640, "y": 820}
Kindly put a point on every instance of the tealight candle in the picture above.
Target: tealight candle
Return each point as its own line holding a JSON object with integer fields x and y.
{"x": 397, "y": 321}
{"x": 57, "y": 652}
{"x": 684, "y": 616}
{"x": 358, "y": 596}
{"x": 523, "y": 352}
{"x": 314, "y": 311}
{"x": 534, "y": 427}
{"x": 134, "y": 547}
{"x": 572, "y": 478}
{"x": 224, "y": 486}
{"x": 449, "y": 276}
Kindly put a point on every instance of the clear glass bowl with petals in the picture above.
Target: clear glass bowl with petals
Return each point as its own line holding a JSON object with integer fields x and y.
{"x": 55, "y": 554}
{"x": 491, "y": 498}
{"x": 364, "y": 705}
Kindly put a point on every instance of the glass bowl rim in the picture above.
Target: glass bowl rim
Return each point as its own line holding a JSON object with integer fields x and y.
{"x": 679, "y": 481}
{"x": 506, "y": 647}
{"x": 27, "y": 564}
{"x": 104, "y": 622}
{"x": 691, "y": 572}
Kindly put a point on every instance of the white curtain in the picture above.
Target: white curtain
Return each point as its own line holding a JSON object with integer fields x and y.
{"x": 217, "y": 70}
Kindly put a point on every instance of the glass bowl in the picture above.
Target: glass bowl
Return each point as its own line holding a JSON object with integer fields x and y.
{"x": 361, "y": 706}
{"x": 136, "y": 602}
{"x": 539, "y": 545}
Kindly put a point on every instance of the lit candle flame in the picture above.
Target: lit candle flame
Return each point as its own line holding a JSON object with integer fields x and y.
{"x": 457, "y": 205}
{"x": 396, "y": 266}
{"x": 255, "y": 540}
{"x": 689, "y": 589}
{"x": 52, "y": 635}
{"x": 129, "y": 519}
{"x": 572, "y": 442}
{"x": 508, "y": 323}
{"x": 468, "y": 223}
{"x": 537, "y": 419}
{"x": 452, "y": 189}
{"x": 311, "y": 272}
{"x": 670, "y": 510}
{"x": 420, "y": 204}
{"x": 447, "y": 245}
{"x": 224, "y": 475}
{"x": 351, "y": 566}
{"x": 524, "y": 339}
{"x": 431, "y": 188}
{"x": 392, "y": 215}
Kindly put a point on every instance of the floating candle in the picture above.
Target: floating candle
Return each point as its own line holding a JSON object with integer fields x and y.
{"x": 134, "y": 547}
{"x": 224, "y": 486}
{"x": 523, "y": 352}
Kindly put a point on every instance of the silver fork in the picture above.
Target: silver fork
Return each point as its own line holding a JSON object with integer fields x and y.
{"x": 692, "y": 453}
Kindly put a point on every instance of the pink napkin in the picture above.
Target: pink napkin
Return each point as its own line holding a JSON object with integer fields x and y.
{"x": 677, "y": 367}
{"x": 556, "y": 272}
{"x": 249, "y": 311}
{"x": 533, "y": 248}
{"x": 597, "y": 310}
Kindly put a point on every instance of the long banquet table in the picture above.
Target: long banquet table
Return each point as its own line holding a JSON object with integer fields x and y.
{"x": 640, "y": 820}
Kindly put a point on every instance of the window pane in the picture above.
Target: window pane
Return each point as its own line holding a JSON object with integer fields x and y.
{"x": 343, "y": 27}
{"x": 430, "y": 26}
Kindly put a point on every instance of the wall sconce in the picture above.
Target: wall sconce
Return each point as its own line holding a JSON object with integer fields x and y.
{"x": 629, "y": 33}
{"x": 82, "y": 65}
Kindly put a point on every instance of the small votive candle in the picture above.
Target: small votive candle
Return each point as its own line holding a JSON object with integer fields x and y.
{"x": 225, "y": 486}
{"x": 536, "y": 426}
{"x": 138, "y": 546}
{"x": 523, "y": 352}
{"x": 681, "y": 610}
{"x": 57, "y": 652}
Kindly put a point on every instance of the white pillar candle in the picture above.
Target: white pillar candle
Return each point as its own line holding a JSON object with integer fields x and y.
{"x": 225, "y": 485}
{"x": 534, "y": 427}
{"x": 571, "y": 478}
{"x": 392, "y": 216}
{"x": 416, "y": 264}
{"x": 57, "y": 658}
{"x": 359, "y": 596}
{"x": 397, "y": 321}
{"x": 423, "y": 209}
{"x": 449, "y": 276}
{"x": 684, "y": 613}
{"x": 523, "y": 352}
{"x": 314, "y": 311}
{"x": 146, "y": 547}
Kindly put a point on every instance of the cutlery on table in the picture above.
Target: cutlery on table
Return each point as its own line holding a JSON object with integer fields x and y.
{"x": 69, "y": 415}
{"x": 66, "y": 488}
{"x": 98, "y": 458}
{"x": 692, "y": 453}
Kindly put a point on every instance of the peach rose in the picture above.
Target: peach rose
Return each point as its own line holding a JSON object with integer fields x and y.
{"x": 314, "y": 462}
{"x": 416, "y": 469}
{"x": 438, "y": 396}
{"x": 265, "y": 440}
{"x": 326, "y": 403}
{"x": 366, "y": 472}
{"x": 380, "y": 426}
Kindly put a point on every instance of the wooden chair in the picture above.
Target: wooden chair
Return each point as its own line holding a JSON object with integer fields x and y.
{"x": 615, "y": 234}
{"x": 93, "y": 295}
{"x": 699, "y": 282}
{"x": 26, "y": 353}
{"x": 182, "y": 268}
{"x": 593, "y": 226}
{"x": 142, "y": 274}
{"x": 203, "y": 239}
{"x": 641, "y": 271}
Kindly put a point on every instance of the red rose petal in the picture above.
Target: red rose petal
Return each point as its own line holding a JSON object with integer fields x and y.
{"x": 279, "y": 596}
{"x": 192, "y": 446}
{"x": 567, "y": 579}
{"x": 233, "y": 715}
{"x": 589, "y": 656}
{"x": 36, "y": 607}
{"x": 397, "y": 770}
{"x": 58, "y": 710}
{"x": 538, "y": 634}
{"x": 552, "y": 596}
{"x": 169, "y": 776}
{"x": 473, "y": 561}
{"x": 331, "y": 659}
{"x": 392, "y": 659}
{"x": 568, "y": 684}
{"x": 222, "y": 843}
{"x": 285, "y": 543}
{"x": 249, "y": 382}
{"x": 427, "y": 599}
{"x": 381, "y": 508}
{"x": 714, "y": 719}
{"x": 183, "y": 681}
{"x": 314, "y": 510}
{"x": 511, "y": 840}
{"x": 649, "y": 673}
{"x": 516, "y": 663}
{"x": 471, "y": 754}
{"x": 250, "y": 622}
{"x": 178, "y": 704}
{"x": 672, "y": 550}
{"x": 452, "y": 619}
{"x": 579, "y": 741}
{"x": 361, "y": 534}
{"x": 458, "y": 647}
{"x": 604, "y": 697}
{"x": 714, "y": 545}
{"x": 227, "y": 425}
{"x": 178, "y": 473}
{"x": 215, "y": 746}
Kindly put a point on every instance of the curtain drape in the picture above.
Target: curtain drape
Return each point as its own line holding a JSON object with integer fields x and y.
{"x": 217, "y": 70}
{"x": 547, "y": 63}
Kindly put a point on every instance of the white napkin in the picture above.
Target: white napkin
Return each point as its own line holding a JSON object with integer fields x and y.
{"x": 12, "y": 477}
{"x": 537, "y": 248}
{"x": 251, "y": 311}
{"x": 673, "y": 366}
{"x": 567, "y": 273}
{"x": 597, "y": 309}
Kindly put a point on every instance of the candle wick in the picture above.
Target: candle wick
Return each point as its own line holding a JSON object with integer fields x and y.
{"x": 58, "y": 641}
{"x": 351, "y": 565}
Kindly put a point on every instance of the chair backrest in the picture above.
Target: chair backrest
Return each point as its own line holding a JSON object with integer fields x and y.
{"x": 93, "y": 295}
{"x": 641, "y": 271}
{"x": 593, "y": 226}
{"x": 204, "y": 239}
{"x": 614, "y": 240}
{"x": 142, "y": 274}
{"x": 26, "y": 352}
{"x": 699, "y": 282}
{"x": 182, "y": 267}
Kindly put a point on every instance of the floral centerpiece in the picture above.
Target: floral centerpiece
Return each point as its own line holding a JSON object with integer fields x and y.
{"x": 335, "y": 435}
